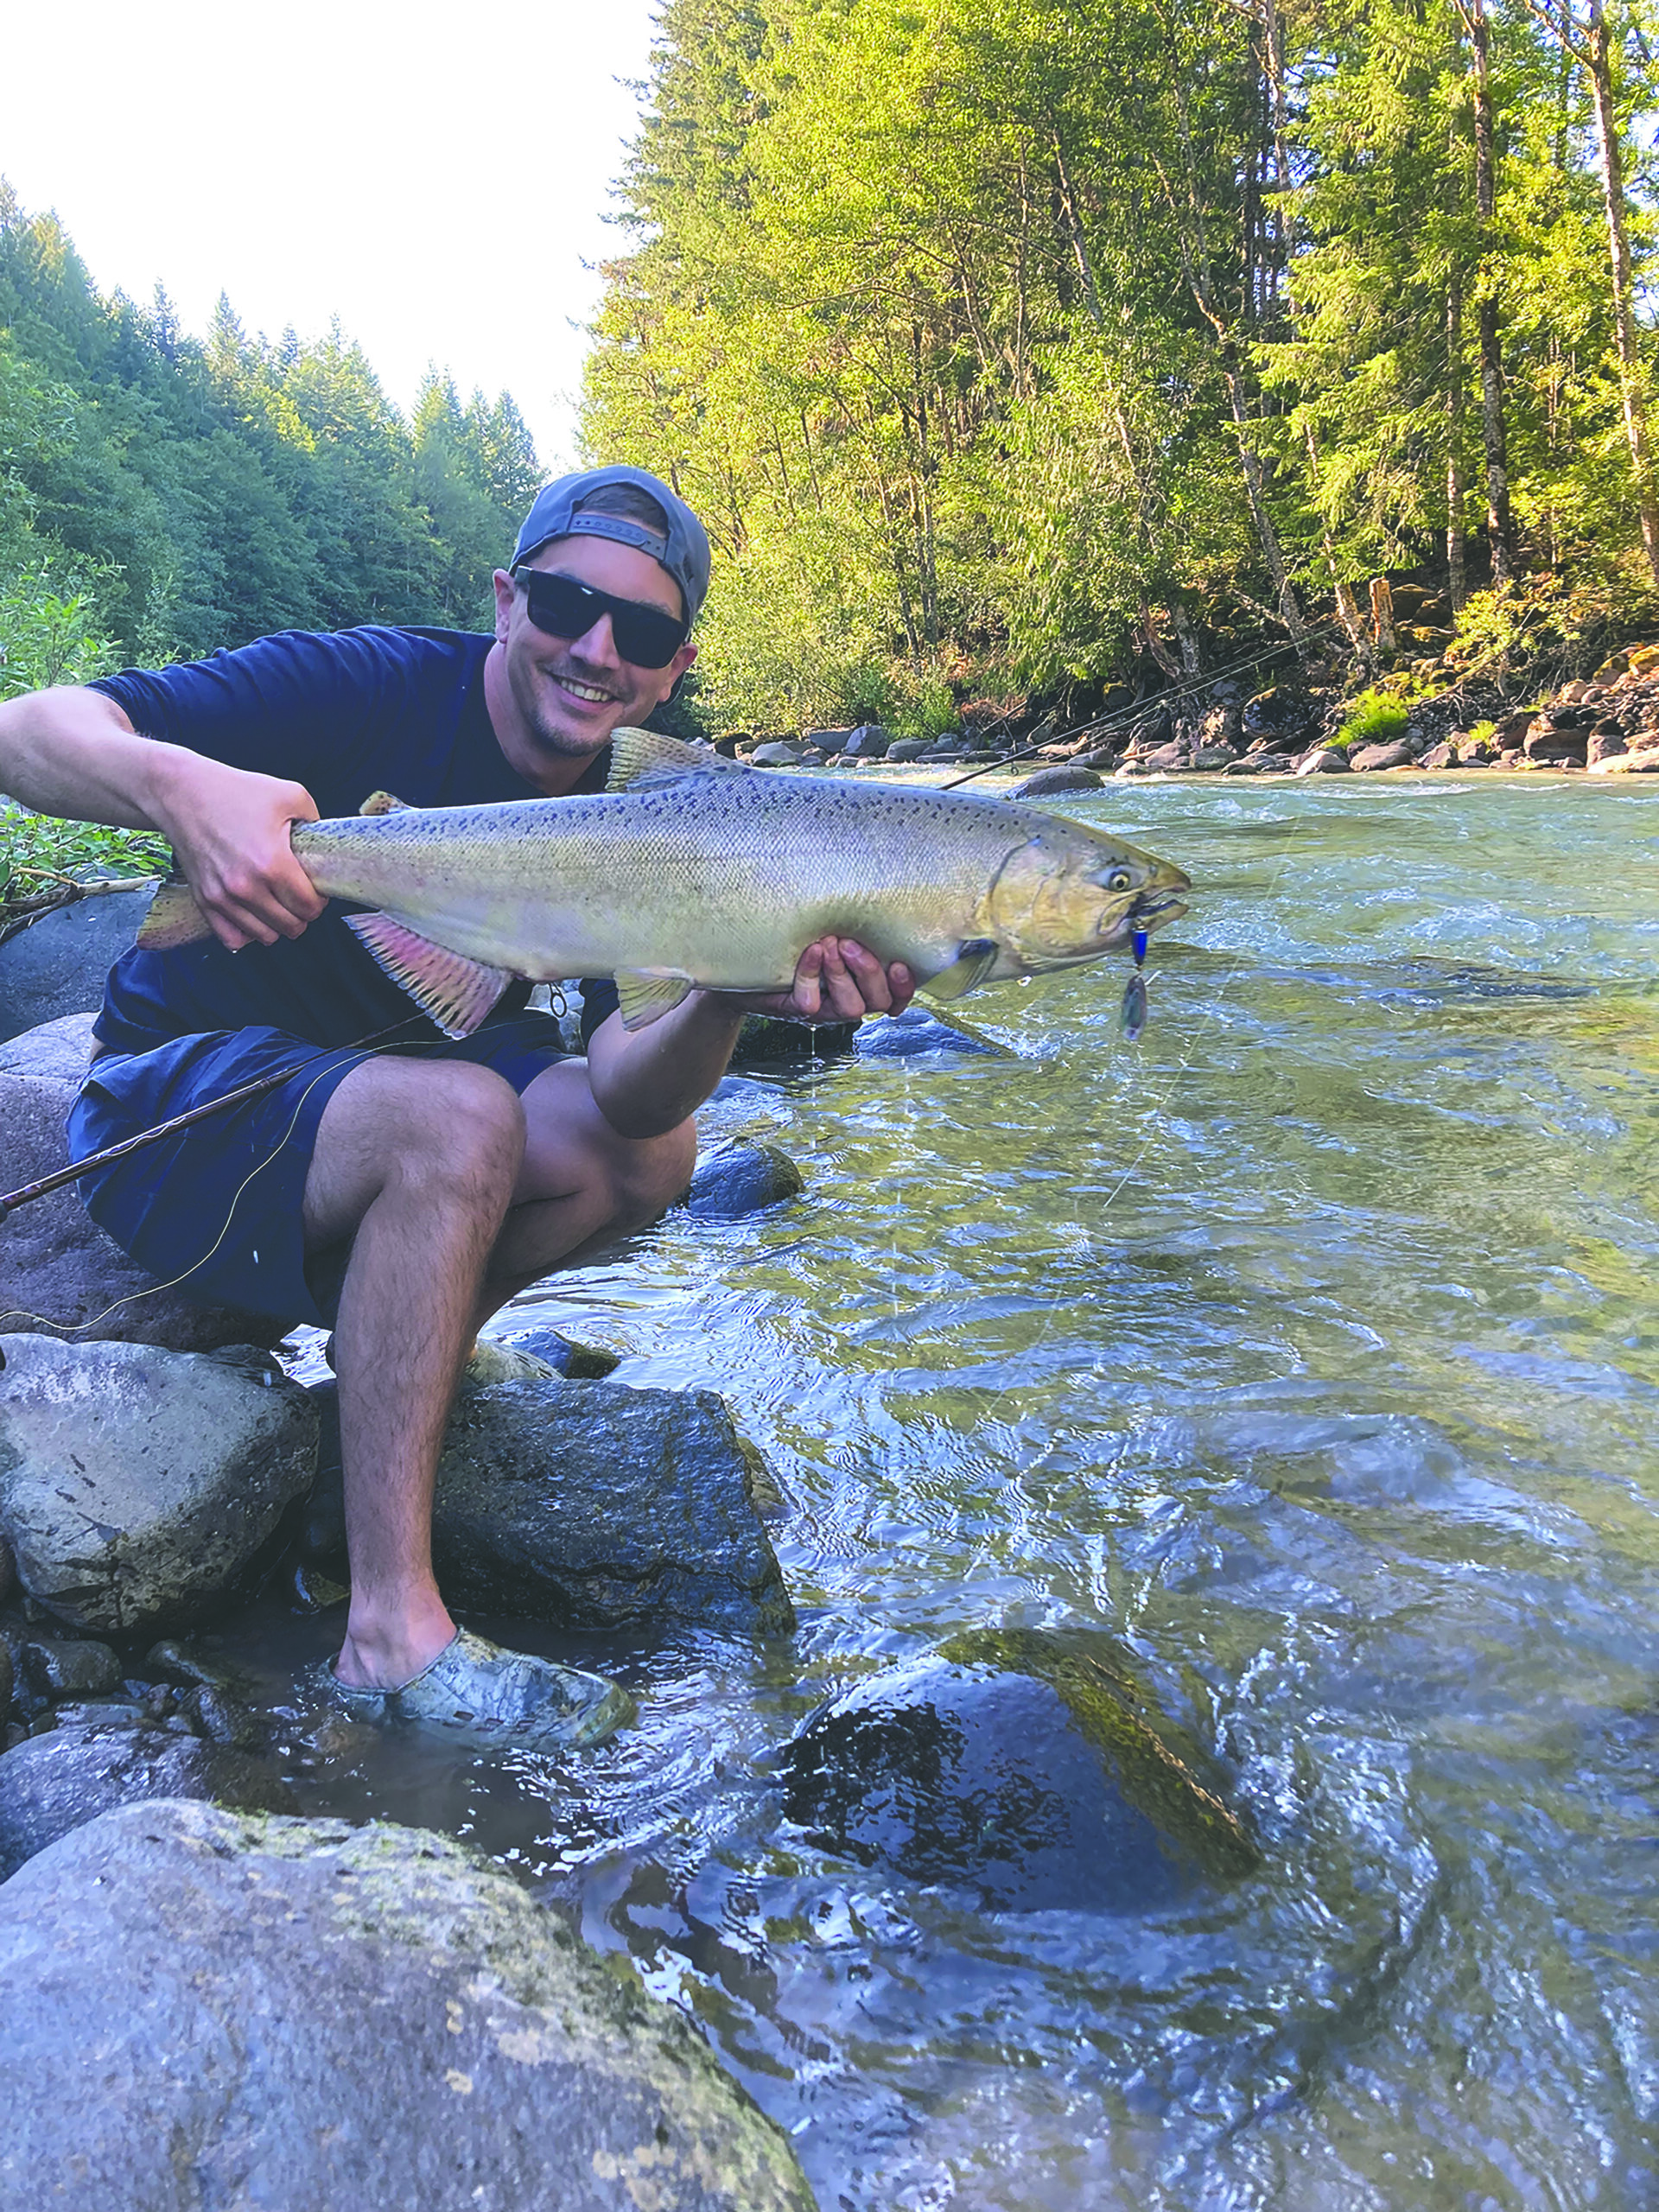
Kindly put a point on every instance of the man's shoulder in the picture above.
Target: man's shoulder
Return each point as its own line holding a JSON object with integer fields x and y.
{"x": 365, "y": 650}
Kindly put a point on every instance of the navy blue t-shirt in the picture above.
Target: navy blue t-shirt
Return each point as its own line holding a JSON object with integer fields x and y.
{"x": 345, "y": 714}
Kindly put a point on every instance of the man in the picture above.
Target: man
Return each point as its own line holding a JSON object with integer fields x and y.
{"x": 402, "y": 1192}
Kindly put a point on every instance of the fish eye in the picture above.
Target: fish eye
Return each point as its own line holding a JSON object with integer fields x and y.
{"x": 1118, "y": 879}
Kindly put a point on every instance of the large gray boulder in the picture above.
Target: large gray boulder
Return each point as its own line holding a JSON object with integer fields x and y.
{"x": 58, "y": 964}
{"x": 593, "y": 1505}
{"x": 56, "y": 1783}
{"x": 138, "y": 1487}
{"x": 205, "y": 2009}
{"x": 59, "y": 1272}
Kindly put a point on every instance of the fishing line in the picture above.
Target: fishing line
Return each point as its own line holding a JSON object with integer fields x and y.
{"x": 1104, "y": 725}
{"x": 367, "y": 1047}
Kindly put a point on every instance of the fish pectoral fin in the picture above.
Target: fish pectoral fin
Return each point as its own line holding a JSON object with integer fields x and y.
{"x": 645, "y": 998}
{"x": 973, "y": 964}
{"x": 450, "y": 989}
{"x": 640, "y": 756}
{"x": 384, "y": 802}
{"x": 174, "y": 918}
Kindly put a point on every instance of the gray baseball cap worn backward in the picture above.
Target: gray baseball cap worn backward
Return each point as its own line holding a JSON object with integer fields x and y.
{"x": 561, "y": 510}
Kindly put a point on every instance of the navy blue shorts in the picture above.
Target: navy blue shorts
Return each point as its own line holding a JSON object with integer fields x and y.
{"x": 216, "y": 1211}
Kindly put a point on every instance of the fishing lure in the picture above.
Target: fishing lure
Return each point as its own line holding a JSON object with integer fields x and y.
{"x": 1134, "y": 1015}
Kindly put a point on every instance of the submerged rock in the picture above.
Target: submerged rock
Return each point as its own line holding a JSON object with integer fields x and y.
{"x": 59, "y": 1273}
{"x": 1025, "y": 1767}
{"x": 592, "y": 1505}
{"x": 55, "y": 1670}
{"x": 742, "y": 1177}
{"x": 248, "y": 2011}
{"x": 138, "y": 1486}
{"x": 902, "y": 1036}
{"x": 1049, "y": 783}
{"x": 58, "y": 1781}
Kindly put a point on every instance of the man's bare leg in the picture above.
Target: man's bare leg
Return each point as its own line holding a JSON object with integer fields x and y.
{"x": 417, "y": 1162}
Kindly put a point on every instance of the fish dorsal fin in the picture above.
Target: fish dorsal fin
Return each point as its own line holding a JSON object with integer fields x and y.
{"x": 384, "y": 802}
{"x": 639, "y": 754}
{"x": 973, "y": 964}
{"x": 645, "y": 998}
{"x": 173, "y": 919}
{"x": 449, "y": 989}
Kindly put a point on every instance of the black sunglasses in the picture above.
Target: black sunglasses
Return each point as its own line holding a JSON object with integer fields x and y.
{"x": 645, "y": 635}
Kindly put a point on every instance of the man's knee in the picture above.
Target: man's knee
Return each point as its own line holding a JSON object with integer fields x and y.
{"x": 463, "y": 1127}
{"x": 650, "y": 1173}
{"x": 437, "y": 1130}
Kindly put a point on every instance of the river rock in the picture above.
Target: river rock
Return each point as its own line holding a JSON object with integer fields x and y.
{"x": 205, "y": 2007}
{"x": 1282, "y": 711}
{"x": 775, "y": 755}
{"x": 903, "y": 1036}
{"x": 1627, "y": 764}
{"x": 1548, "y": 743}
{"x": 907, "y": 748}
{"x": 75, "y": 1669}
{"x": 1027, "y": 1768}
{"x": 742, "y": 1177}
{"x": 1322, "y": 761}
{"x": 58, "y": 964}
{"x": 869, "y": 742}
{"x": 138, "y": 1487}
{"x": 1049, "y": 783}
{"x": 1366, "y": 760}
{"x": 1171, "y": 760}
{"x": 58, "y": 1781}
{"x": 58, "y": 1269}
{"x": 560, "y": 1355}
{"x": 593, "y": 1505}
{"x": 1444, "y": 755}
{"x": 1604, "y": 745}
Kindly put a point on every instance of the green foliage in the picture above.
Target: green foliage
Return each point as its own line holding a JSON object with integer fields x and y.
{"x": 979, "y": 353}
{"x": 1373, "y": 718}
{"x": 162, "y": 497}
{"x": 41, "y": 860}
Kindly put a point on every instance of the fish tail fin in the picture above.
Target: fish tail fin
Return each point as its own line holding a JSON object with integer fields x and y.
{"x": 450, "y": 989}
{"x": 173, "y": 920}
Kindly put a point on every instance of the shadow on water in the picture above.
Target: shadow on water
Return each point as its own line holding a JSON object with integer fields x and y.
{"x": 1308, "y": 1351}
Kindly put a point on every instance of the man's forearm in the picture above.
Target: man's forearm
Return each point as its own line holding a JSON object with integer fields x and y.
{"x": 73, "y": 753}
{"x": 649, "y": 1081}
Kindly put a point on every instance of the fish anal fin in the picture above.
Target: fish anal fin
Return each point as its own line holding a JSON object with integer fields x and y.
{"x": 645, "y": 998}
{"x": 384, "y": 802}
{"x": 450, "y": 989}
{"x": 639, "y": 756}
{"x": 973, "y": 964}
{"x": 174, "y": 918}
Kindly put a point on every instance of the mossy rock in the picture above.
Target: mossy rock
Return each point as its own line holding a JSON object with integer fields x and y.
{"x": 1026, "y": 1768}
{"x": 1162, "y": 1770}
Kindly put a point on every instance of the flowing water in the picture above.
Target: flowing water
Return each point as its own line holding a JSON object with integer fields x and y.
{"x": 1311, "y": 1348}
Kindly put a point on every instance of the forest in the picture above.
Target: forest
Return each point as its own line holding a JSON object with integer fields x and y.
{"x": 1008, "y": 349}
{"x": 1007, "y": 346}
{"x": 163, "y": 495}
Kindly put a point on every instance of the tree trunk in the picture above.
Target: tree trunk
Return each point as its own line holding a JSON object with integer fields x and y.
{"x": 1499, "y": 528}
{"x": 1456, "y": 567}
{"x": 1598, "y": 66}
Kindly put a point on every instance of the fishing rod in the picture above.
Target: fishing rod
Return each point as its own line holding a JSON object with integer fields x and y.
{"x": 42, "y": 1187}
{"x": 1104, "y": 724}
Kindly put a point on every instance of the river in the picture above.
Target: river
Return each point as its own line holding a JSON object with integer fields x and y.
{"x": 1310, "y": 1347}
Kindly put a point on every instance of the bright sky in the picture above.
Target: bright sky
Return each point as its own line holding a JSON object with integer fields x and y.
{"x": 438, "y": 180}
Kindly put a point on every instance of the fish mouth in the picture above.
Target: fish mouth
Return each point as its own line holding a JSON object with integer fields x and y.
{"x": 1161, "y": 899}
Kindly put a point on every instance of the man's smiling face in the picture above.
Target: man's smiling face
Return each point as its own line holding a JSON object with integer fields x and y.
{"x": 568, "y": 694}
